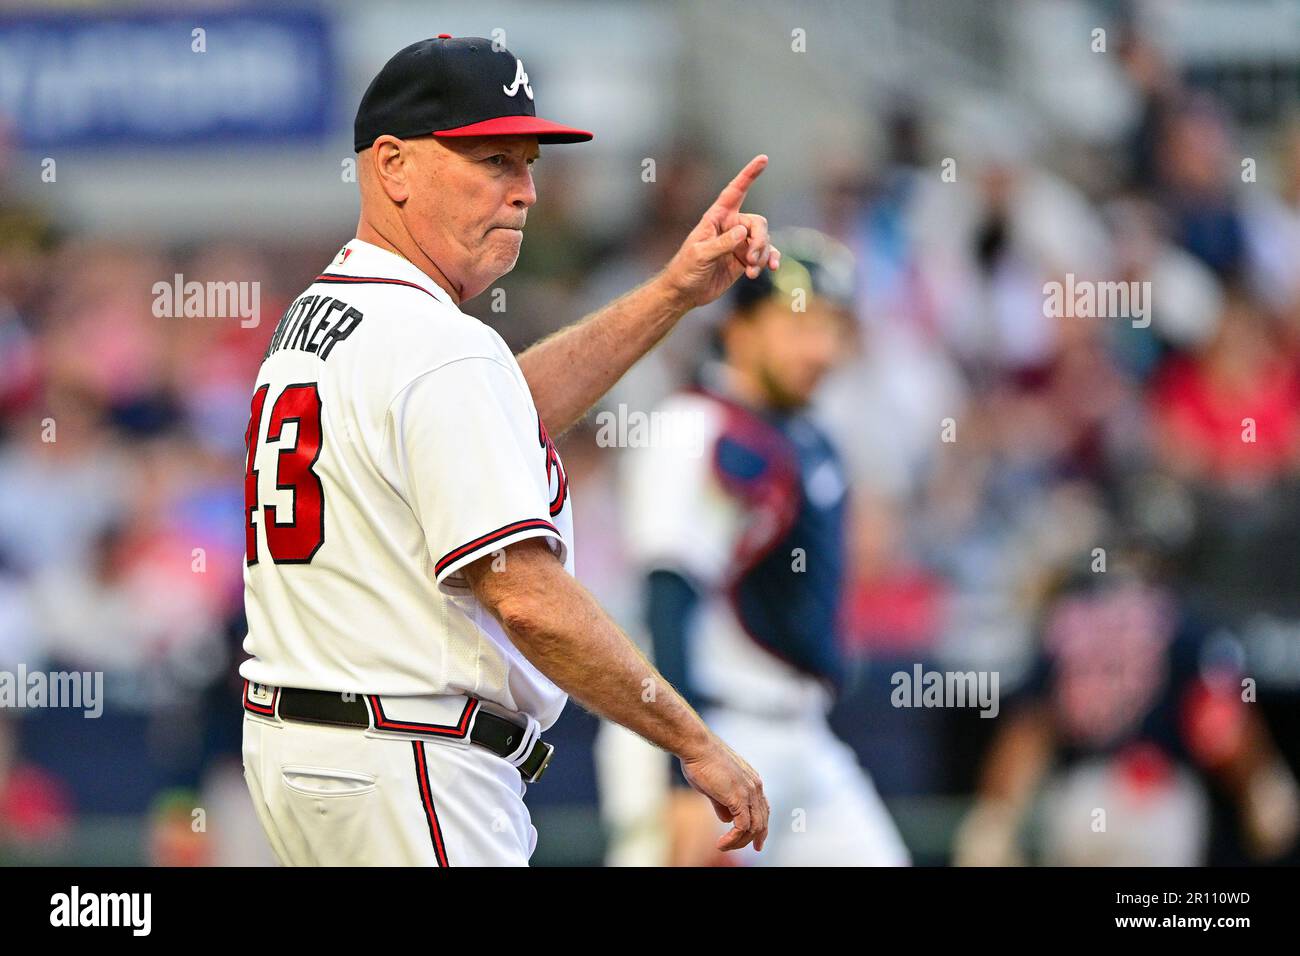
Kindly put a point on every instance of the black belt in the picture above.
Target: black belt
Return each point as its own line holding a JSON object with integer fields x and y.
{"x": 494, "y": 733}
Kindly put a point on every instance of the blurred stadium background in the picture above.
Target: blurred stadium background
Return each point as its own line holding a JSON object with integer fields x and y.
{"x": 1170, "y": 155}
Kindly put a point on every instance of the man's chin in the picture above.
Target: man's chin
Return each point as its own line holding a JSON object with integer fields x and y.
{"x": 473, "y": 289}
{"x": 782, "y": 398}
{"x": 786, "y": 402}
{"x": 504, "y": 252}
{"x": 505, "y": 266}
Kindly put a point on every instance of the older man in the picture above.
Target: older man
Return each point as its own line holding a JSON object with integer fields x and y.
{"x": 413, "y": 621}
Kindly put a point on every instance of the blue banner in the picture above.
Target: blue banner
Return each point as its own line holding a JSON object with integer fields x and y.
{"x": 90, "y": 79}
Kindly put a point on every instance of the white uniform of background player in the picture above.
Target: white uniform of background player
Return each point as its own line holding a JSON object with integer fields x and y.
{"x": 428, "y": 456}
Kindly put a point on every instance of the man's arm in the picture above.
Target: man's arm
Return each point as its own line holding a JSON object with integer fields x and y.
{"x": 1248, "y": 766}
{"x": 1016, "y": 762}
{"x": 569, "y": 371}
{"x": 562, "y": 630}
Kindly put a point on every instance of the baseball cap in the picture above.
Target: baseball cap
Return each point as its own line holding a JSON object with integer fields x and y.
{"x": 810, "y": 260}
{"x": 454, "y": 86}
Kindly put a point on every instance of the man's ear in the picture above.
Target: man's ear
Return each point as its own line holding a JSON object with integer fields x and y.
{"x": 390, "y": 158}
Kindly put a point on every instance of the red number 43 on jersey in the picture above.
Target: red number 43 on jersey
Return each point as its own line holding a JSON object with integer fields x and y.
{"x": 297, "y": 540}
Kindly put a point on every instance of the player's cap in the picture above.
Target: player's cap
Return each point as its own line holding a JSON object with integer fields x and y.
{"x": 811, "y": 261}
{"x": 454, "y": 86}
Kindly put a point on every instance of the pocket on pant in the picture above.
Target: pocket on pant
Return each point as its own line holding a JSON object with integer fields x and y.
{"x": 326, "y": 781}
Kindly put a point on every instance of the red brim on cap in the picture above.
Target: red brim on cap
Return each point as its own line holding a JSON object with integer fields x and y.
{"x": 543, "y": 129}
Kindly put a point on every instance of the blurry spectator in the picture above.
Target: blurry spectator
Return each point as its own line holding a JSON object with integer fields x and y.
{"x": 894, "y": 614}
{"x": 1141, "y": 714}
{"x": 136, "y": 609}
{"x": 1196, "y": 174}
{"x": 990, "y": 240}
{"x": 61, "y": 478}
{"x": 1230, "y": 415}
{"x": 894, "y": 604}
{"x": 1273, "y": 235}
{"x": 1186, "y": 296}
{"x": 891, "y": 287}
{"x": 1157, "y": 86}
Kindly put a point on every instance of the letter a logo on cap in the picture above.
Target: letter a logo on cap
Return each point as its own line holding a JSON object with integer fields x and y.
{"x": 521, "y": 79}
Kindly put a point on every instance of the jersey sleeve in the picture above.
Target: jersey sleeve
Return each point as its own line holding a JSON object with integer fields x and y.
{"x": 680, "y": 518}
{"x": 469, "y": 452}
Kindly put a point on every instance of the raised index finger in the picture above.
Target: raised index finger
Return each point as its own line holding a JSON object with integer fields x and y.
{"x": 734, "y": 194}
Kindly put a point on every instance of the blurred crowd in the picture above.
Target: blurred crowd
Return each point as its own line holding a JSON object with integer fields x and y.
{"x": 995, "y": 448}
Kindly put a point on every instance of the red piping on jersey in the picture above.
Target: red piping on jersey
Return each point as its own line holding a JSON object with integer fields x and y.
{"x": 361, "y": 280}
{"x": 426, "y": 799}
{"x": 458, "y": 729}
{"x": 491, "y": 538}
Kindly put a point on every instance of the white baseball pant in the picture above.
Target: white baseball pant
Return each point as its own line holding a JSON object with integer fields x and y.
{"x": 343, "y": 796}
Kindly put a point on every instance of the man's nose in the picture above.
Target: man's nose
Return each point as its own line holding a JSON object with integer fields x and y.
{"x": 525, "y": 193}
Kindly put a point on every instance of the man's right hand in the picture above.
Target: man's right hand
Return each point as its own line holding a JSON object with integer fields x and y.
{"x": 564, "y": 633}
{"x": 736, "y": 792}
{"x": 725, "y": 244}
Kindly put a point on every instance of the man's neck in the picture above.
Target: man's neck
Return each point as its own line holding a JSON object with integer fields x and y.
{"x": 403, "y": 245}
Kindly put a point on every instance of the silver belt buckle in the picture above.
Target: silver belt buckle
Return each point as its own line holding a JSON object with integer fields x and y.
{"x": 546, "y": 762}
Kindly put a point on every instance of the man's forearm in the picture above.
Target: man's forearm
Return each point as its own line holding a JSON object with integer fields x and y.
{"x": 569, "y": 371}
{"x": 566, "y": 635}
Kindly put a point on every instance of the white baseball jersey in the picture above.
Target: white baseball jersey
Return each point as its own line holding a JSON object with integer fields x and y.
{"x": 393, "y": 440}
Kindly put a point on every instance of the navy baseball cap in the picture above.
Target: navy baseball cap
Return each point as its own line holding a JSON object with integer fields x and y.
{"x": 454, "y": 86}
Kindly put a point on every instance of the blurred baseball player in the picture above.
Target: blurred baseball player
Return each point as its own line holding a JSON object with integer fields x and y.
{"x": 1134, "y": 708}
{"x": 739, "y": 523}
{"x": 412, "y": 619}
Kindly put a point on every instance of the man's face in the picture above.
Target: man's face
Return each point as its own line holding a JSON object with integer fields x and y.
{"x": 469, "y": 197}
{"x": 787, "y": 351}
